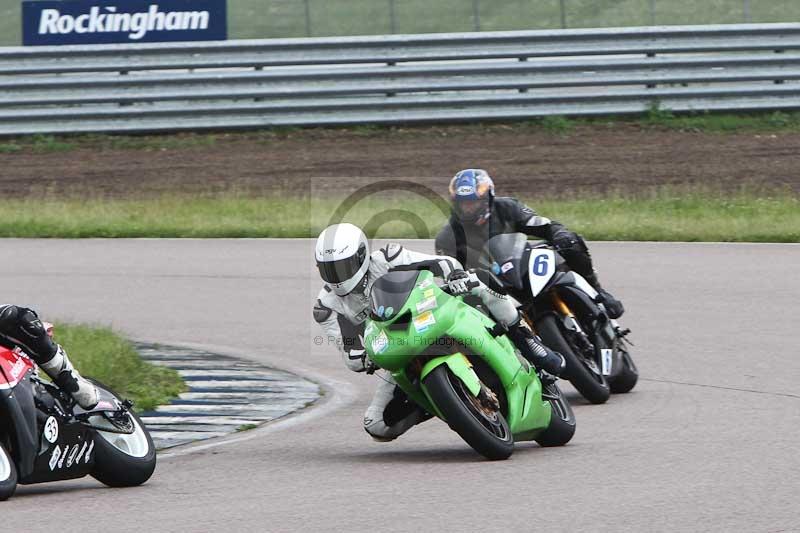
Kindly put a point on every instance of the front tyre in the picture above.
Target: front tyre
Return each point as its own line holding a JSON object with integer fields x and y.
{"x": 124, "y": 460}
{"x": 484, "y": 429}
{"x": 8, "y": 475}
{"x": 562, "y": 419}
{"x": 589, "y": 382}
{"x": 626, "y": 380}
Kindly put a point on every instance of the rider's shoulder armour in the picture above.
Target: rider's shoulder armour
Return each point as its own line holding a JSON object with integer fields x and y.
{"x": 321, "y": 312}
{"x": 391, "y": 251}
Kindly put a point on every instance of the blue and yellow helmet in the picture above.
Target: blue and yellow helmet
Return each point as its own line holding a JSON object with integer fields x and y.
{"x": 471, "y": 193}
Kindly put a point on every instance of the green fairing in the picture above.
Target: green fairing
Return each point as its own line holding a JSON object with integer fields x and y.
{"x": 396, "y": 348}
{"x": 460, "y": 366}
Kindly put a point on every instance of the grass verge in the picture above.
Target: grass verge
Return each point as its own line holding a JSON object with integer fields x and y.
{"x": 100, "y": 353}
{"x": 664, "y": 215}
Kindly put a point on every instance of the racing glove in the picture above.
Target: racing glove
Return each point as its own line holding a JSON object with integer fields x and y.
{"x": 357, "y": 361}
{"x": 460, "y": 282}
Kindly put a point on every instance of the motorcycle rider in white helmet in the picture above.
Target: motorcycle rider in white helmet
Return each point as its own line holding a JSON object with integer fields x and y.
{"x": 349, "y": 271}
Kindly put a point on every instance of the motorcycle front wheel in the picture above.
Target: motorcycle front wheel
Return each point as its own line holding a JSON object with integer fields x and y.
{"x": 627, "y": 378}
{"x": 123, "y": 460}
{"x": 484, "y": 429}
{"x": 589, "y": 382}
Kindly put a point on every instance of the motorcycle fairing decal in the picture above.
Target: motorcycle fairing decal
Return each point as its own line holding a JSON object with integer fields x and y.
{"x": 51, "y": 429}
{"x": 54, "y": 457}
{"x": 606, "y": 360}
{"x": 64, "y": 456}
{"x": 73, "y": 454}
{"x": 80, "y": 454}
{"x": 380, "y": 343}
{"x": 541, "y": 267}
{"x": 424, "y": 321}
{"x": 67, "y": 458}
{"x": 13, "y": 368}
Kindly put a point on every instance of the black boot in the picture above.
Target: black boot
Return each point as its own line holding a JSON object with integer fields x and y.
{"x": 614, "y": 307}
{"x": 535, "y": 351}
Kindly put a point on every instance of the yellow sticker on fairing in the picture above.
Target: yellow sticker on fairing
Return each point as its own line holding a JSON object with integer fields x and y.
{"x": 428, "y": 294}
{"x": 424, "y": 321}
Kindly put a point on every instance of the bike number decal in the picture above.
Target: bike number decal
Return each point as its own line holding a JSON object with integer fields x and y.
{"x": 607, "y": 360}
{"x": 541, "y": 268}
{"x": 51, "y": 430}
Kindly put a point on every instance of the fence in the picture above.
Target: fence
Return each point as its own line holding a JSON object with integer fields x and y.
{"x": 398, "y": 79}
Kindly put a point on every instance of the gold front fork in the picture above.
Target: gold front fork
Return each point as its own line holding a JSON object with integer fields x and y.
{"x": 561, "y": 306}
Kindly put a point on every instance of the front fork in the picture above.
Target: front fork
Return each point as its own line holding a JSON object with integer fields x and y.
{"x": 580, "y": 337}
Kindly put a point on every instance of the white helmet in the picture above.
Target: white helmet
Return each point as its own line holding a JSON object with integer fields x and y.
{"x": 342, "y": 255}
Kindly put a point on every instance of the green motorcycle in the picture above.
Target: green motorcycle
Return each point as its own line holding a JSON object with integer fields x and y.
{"x": 457, "y": 364}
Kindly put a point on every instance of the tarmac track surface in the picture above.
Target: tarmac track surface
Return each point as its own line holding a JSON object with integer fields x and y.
{"x": 707, "y": 441}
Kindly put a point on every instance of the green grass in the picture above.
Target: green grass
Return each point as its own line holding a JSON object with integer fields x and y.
{"x": 100, "y": 353}
{"x": 665, "y": 215}
{"x": 250, "y": 19}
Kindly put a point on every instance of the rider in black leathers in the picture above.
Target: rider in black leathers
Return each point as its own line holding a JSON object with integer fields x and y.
{"x": 477, "y": 215}
{"x": 21, "y": 328}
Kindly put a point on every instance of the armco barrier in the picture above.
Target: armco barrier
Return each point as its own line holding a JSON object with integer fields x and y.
{"x": 398, "y": 79}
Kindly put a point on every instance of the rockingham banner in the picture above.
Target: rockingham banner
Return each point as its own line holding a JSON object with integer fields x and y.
{"x": 53, "y": 22}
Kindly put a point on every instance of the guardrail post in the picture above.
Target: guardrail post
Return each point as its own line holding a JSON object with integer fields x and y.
{"x": 748, "y": 15}
{"x": 651, "y": 85}
{"x": 308, "y": 17}
{"x": 258, "y": 69}
{"x": 392, "y": 18}
{"x": 563, "y": 6}
{"x": 476, "y": 15}
{"x": 523, "y": 60}
{"x": 779, "y": 82}
{"x": 652, "y": 12}
{"x": 391, "y": 64}
{"x": 124, "y": 104}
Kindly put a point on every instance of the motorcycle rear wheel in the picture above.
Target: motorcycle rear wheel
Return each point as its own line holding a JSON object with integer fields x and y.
{"x": 8, "y": 475}
{"x": 562, "y": 419}
{"x": 592, "y": 386}
{"x": 488, "y": 434}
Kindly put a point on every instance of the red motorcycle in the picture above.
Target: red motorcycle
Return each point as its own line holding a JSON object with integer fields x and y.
{"x": 45, "y": 436}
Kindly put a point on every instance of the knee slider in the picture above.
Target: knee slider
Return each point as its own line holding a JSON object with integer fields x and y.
{"x": 377, "y": 428}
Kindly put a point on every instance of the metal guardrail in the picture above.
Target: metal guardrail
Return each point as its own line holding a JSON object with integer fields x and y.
{"x": 398, "y": 79}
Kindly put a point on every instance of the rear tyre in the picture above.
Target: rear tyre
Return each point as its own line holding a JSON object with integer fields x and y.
{"x": 8, "y": 475}
{"x": 592, "y": 385}
{"x": 626, "y": 380}
{"x": 486, "y": 431}
{"x": 562, "y": 419}
{"x": 124, "y": 460}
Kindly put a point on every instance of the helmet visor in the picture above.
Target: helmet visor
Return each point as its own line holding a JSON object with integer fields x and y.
{"x": 472, "y": 210}
{"x": 343, "y": 269}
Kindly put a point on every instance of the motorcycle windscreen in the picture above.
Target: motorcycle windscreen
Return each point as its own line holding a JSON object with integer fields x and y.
{"x": 391, "y": 292}
{"x": 505, "y": 253}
